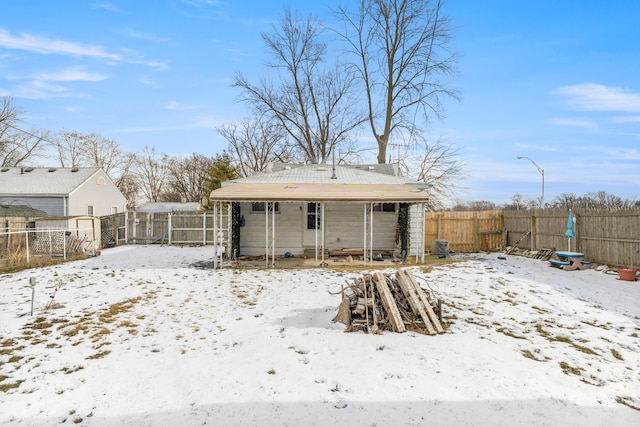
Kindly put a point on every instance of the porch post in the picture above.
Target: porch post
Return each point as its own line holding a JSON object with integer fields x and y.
{"x": 266, "y": 233}
{"x": 215, "y": 236}
{"x": 422, "y": 242}
{"x": 371, "y": 236}
{"x": 273, "y": 234}
{"x": 416, "y": 231}
{"x": 364, "y": 233}
{"x": 220, "y": 232}
{"x": 315, "y": 229}
{"x": 322, "y": 229}
{"x": 230, "y": 254}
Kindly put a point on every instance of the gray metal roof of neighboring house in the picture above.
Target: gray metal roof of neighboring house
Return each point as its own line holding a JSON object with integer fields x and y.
{"x": 8, "y": 210}
{"x": 322, "y": 174}
{"x": 42, "y": 181}
{"x": 168, "y": 207}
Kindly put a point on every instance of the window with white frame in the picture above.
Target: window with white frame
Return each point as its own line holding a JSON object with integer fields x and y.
{"x": 313, "y": 216}
{"x": 258, "y": 207}
{"x": 384, "y": 207}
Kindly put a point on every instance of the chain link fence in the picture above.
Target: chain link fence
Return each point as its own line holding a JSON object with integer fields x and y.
{"x": 20, "y": 246}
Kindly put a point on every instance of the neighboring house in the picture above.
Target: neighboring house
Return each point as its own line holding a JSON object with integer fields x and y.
{"x": 62, "y": 191}
{"x": 298, "y": 208}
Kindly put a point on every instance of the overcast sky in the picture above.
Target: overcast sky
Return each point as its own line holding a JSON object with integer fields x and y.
{"x": 555, "y": 81}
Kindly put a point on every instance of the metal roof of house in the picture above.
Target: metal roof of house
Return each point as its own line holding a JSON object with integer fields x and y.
{"x": 318, "y": 174}
{"x": 42, "y": 181}
{"x": 316, "y": 183}
{"x": 384, "y": 168}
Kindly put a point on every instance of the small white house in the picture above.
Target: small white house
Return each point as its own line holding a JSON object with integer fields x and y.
{"x": 298, "y": 208}
{"x": 62, "y": 191}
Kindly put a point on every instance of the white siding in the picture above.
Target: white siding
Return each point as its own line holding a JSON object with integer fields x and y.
{"x": 343, "y": 228}
{"x": 416, "y": 230}
{"x": 288, "y": 225}
{"x": 101, "y": 197}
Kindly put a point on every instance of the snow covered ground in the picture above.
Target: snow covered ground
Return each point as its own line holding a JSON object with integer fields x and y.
{"x": 138, "y": 336}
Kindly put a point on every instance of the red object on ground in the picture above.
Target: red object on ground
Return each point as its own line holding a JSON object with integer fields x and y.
{"x": 628, "y": 274}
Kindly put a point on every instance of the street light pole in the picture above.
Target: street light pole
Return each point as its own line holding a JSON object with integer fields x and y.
{"x": 541, "y": 173}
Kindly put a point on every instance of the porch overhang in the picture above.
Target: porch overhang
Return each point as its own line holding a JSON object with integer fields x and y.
{"x": 319, "y": 192}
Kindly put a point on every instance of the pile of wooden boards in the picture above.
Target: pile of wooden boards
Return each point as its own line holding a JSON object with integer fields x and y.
{"x": 379, "y": 302}
{"x": 359, "y": 252}
{"x": 544, "y": 254}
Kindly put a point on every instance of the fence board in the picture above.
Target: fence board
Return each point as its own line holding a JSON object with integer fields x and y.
{"x": 465, "y": 231}
{"x": 187, "y": 228}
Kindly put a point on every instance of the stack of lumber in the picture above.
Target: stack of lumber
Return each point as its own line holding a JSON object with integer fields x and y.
{"x": 359, "y": 252}
{"x": 544, "y": 254}
{"x": 380, "y": 302}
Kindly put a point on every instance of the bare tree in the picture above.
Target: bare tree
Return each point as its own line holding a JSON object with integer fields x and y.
{"x": 592, "y": 200}
{"x": 151, "y": 171}
{"x": 481, "y": 205}
{"x": 474, "y": 205}
{"x": 564, "y": 200}
{"x": 312, "y": 103}
{"x": 127, "y": 181}
{"x": 69, "y": 147}
{"x": 105, "y": 153}
{"x": 188, "y": 178}
{"x": 253, "y": 144}
{"x": 402, "y": 58}
{"x": 602, "y": 199}
{"x": 437, "y": 164}
{"x": 129, "y": 186}
{"x": 76, "y": 149}
{"x": 519, "y": 202}
{"x": 16, "y": 144}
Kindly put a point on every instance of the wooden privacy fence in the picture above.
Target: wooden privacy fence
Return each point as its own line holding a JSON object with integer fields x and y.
{"x": 609, "y": 236}
{"x": 465, "y": 231}
{"x": 605, "y": 236}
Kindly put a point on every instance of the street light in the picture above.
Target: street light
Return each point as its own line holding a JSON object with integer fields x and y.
{"x": 541, "y": 173}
